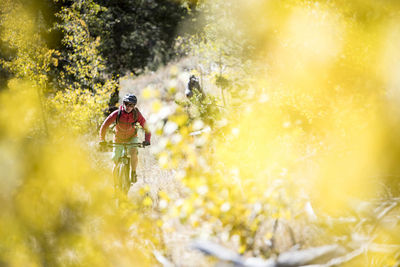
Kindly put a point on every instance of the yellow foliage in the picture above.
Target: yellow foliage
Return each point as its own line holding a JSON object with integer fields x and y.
{"x": 317, "y": 120}
{"x": 57, "y": 199}
{"x": 60, "y": 209}
{"x": 148, "y": 93}
{"x": 80, "y": 110}
{"x": 147, "y": 201}
{"x": 313, "y": 117}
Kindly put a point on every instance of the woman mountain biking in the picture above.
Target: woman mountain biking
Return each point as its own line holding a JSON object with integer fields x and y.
{"x": 126, "y": 118}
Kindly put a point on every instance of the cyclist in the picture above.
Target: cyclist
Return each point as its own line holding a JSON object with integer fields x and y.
{"x": 126, "y": 118}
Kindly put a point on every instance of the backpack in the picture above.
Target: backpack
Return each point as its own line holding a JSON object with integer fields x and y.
{"x": 134, "y": 113}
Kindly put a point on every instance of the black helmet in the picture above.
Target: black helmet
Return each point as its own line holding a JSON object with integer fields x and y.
{"x": 130, "y": 98}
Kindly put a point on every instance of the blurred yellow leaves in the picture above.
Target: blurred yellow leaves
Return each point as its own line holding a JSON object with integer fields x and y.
{"x": 156, "y": 106}
{"x": 57, "y": 199}
{"x": 310, "y": 40}
{"x": 61, "y": 210}
{"x": 149, "y": 93}
{"x": 20, "y": 112}
{"x": 307, "y": 120}
{"x": 147, "y": 201}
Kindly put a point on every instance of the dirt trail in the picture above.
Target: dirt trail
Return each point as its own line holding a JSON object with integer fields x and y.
{"x": 150, "y": 173}
{"x": 177, "y": 237}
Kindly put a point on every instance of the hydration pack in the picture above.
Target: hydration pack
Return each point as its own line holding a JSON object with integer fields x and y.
{"x": 134, "y": 112}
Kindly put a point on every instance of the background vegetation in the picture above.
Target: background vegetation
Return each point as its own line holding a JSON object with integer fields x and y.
{"x": 301, "y": 106}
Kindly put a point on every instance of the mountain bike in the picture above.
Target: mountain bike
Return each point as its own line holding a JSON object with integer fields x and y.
{"x": 122, "y": 169}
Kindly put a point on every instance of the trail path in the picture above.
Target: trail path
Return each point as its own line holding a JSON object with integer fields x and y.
{"x": 148, "y": 170}
{"x": 177, "y": 237}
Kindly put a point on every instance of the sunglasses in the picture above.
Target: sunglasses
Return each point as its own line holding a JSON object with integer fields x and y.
{"x": 129, "y": 104}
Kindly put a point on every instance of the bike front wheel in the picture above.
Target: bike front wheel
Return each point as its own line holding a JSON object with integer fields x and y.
{"x": 123, "y": 182}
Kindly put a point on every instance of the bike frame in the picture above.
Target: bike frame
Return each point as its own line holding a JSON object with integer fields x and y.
{"x": 123, "y": 167}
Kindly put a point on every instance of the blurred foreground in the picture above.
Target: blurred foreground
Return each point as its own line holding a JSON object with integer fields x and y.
{"x": 298, "y": 145}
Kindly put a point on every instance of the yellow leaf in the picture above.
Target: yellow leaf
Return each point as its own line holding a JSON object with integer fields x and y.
{"x": 147, "y": 201}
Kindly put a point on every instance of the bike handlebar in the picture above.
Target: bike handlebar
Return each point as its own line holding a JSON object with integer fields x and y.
{"x": 112, "y": 144}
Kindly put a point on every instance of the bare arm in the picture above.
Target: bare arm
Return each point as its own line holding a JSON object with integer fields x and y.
{"x": 142, "y": 122}
{"x": 107, "y": 122}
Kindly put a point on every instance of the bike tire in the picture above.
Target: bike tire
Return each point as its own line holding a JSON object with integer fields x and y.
{"x": 123, "y": 177}
{"x": 117, "y": 180}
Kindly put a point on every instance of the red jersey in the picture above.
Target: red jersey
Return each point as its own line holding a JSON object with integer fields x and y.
{"x": 125, "y": 128}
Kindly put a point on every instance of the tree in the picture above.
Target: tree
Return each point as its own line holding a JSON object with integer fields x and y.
{"x": 137, "y": 34}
